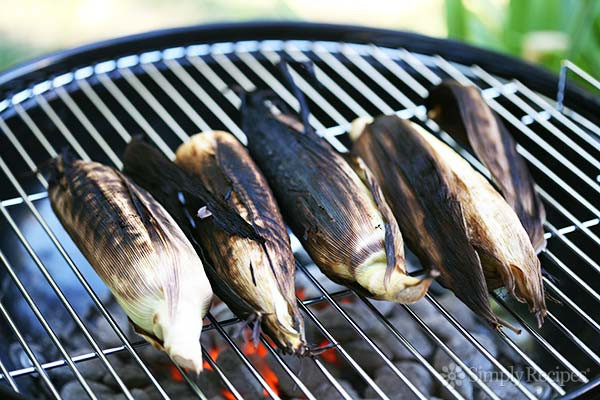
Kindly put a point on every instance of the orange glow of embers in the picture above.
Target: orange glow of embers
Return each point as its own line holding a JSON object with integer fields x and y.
{"x": 228, "y": 395}
{"x": 214, "y": 353}
{"x": 270, "y": 377}
{"x": 258, "y": 358}
{"x": 175, "y": 374}
{"x": 329, "y": 354}
{"x": 258, "y": 355}
{"x": 301, "y": 293}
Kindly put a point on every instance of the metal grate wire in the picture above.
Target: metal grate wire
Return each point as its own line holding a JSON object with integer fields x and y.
{"x": 173, "y": 93}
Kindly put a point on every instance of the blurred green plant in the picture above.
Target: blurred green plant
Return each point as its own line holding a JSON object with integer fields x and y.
{"x": 540, "y": 31}
{"x": 11, "y": 53}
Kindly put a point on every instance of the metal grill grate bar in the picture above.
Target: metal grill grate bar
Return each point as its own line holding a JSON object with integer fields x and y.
{"x": 541, "y": 340}
{"x": 287, "y": 369}
{"x": 411, "y": 348}
{"x": 479, "y": 347}
{"x": 44, "y": 322}
{"x": 543, "y": 121}
{"x": 569, "y": 272}
{"x": 104, "y": 110}
{"x": 69, "y": 261}
{"x": 578, "y": 342}
{"x": 66, "y": 98}
{"x": 161, "y": 81}
{"x": 52, "y": 282}
{"x": 6, "y": 375}
{"x": 439, "y": 342}
{"x": 347, "y": 356}
{"x": 154, "y": 103}
{"x": 365, "y": 337}
{"x": 321, "y": 76}
{"x": 62, "y": 127}
{"x": 33, "y": 128}
{"x": 550, "y": 200}
{"x": 309, "y": 91}
{"x": 581, "y": 120}
{"x": 242, "y": 357}
{"x": 562, "y": 297}
{"x": 29, "y": 352}
{"x": 555, "y": 386}
{"x": 456, "y": 74}
{"x": 181, "y": 73}
{"x": 139, "y": 119}
{"x": 222, "y": 376}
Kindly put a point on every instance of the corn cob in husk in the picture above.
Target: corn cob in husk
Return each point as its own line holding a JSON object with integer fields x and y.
{"x": 256, "y": 279}
{"x": 462, "y": 112}
{"x": 451, "y": 216}
{"x": 139, "y": 252}
{"x": 213, "y": 214}
{"x": 331, "y": 203}
{"x": 418, "y": 187}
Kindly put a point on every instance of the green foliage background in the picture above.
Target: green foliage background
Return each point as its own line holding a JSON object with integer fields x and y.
{"x": 540, "y": 31}
{"x": 507, "y": 27}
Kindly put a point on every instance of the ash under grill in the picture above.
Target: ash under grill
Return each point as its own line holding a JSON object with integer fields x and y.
{"x": 61, "y": 329}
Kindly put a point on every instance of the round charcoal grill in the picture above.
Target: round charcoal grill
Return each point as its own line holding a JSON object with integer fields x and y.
{"x": 168, "y": 85}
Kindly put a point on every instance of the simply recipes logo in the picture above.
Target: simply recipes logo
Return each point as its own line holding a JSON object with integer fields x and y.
{"x": 456, "y": 376}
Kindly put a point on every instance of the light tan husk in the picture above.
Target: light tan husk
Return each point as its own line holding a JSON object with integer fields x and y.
{"x": 463, "y": 113}
{"x": 507, "y": 255}
{"x": 261, "y": 275}
{"x": 139, "y": 252}
{"x": 418, "y": 187}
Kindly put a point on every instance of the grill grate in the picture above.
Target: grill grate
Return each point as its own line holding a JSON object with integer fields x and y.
{"x": 170, "y": 94}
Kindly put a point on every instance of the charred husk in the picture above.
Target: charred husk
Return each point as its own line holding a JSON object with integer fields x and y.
{"x": 139, "y": 252}
{"x": 463, "y": 113}
{"x": 419, "y": 187}
{"x": 255, "y": 279}
{"x": 331, "y": 202}
{"x": 449, "y": 207}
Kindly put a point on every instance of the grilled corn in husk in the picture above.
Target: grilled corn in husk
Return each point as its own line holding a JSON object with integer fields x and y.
{"x": 236, "y": 268}
{"x": 451, "y": 216}
{"x": 419, "y": 189}
{"x": 462, "y": 112}
{"x": 139, "y": 252}
{"x": 255, "y": 279}
{"x": 331, "y": 203}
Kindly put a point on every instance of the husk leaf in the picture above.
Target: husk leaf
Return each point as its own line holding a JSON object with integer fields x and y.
{"x": 328, "y": 206}
{"x": 261, "y": 275}
{"x": 139, "y": 252}
{"x": 463, "y": 113}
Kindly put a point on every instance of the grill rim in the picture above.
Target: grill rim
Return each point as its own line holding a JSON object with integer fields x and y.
{"x": 537, "y": 78}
